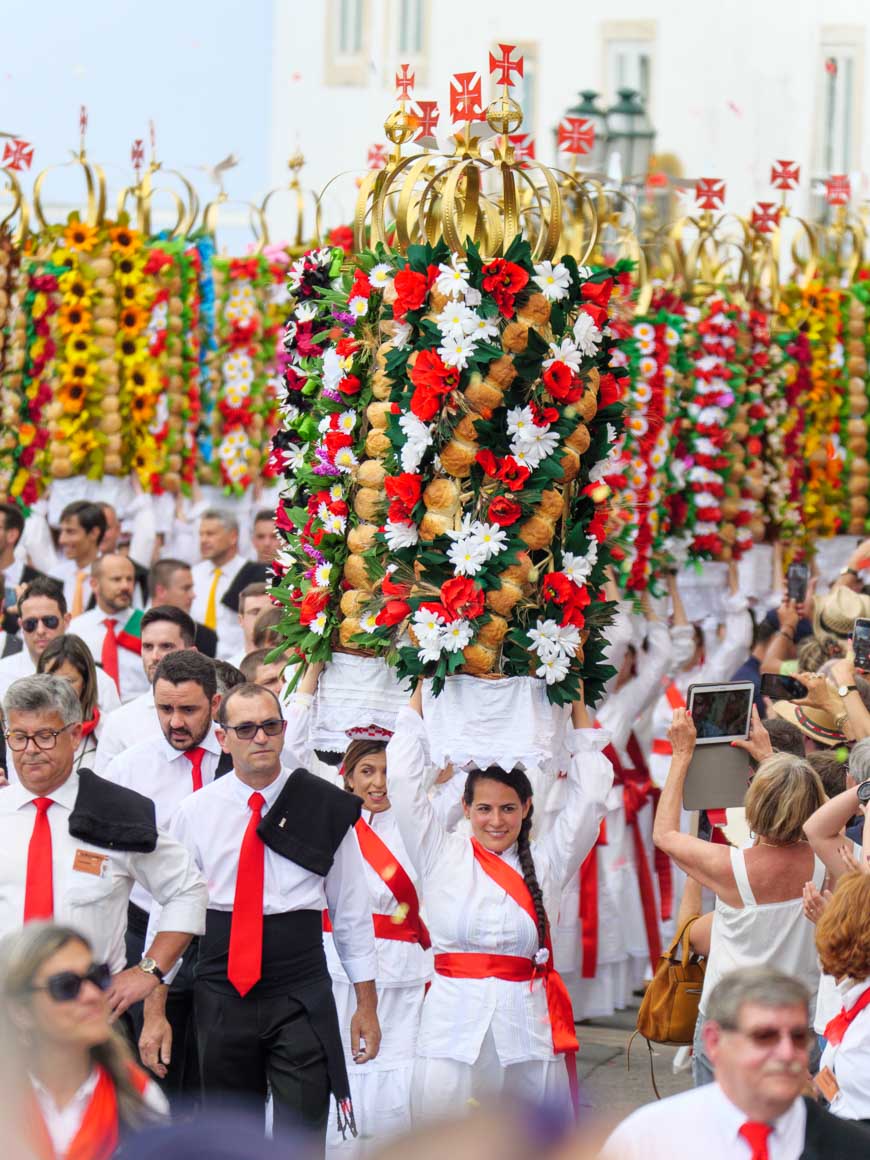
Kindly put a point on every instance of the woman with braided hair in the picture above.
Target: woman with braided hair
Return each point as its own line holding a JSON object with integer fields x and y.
{"x": 497, "y": 1018}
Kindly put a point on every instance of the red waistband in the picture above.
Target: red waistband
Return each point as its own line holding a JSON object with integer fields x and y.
{"x": 470, "y": 965}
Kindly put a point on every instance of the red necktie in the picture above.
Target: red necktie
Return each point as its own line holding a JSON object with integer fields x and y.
{"x": 39, "y": 888}
{"x": 195, "y": 756}
{"x": 755, "y": 1134}
{"x": 109, "y": 657}
{"x": 245, "y": 961}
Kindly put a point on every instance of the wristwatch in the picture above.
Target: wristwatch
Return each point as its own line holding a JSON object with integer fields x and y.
{"x": 149, "y": 966}
{"x": 864, "y": 792}
{"x": 847, "y": 571}
{"x": 845, "y": 690}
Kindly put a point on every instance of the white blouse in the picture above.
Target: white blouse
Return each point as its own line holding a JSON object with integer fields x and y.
{"x": 850, "y": 1059}
{"x": 467, "y": 911}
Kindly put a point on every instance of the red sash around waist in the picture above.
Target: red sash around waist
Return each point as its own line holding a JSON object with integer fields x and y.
{"x": 385, "y": 926}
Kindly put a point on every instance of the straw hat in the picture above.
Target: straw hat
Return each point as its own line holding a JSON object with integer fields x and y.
{"x": 835, "y": 613}
{"x": 812, "y": 722}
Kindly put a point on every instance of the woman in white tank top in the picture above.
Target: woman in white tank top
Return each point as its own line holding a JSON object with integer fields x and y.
{"x": 759, "y": 917}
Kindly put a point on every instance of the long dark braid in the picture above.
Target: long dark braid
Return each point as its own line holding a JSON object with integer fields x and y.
{"x": 517, "y": 781}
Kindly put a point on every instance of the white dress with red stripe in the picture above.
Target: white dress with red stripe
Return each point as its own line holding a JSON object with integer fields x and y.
{"x": 381, "y": 1088}
{"x": 481, "y": 1033}
{"x": 602, "y": 982}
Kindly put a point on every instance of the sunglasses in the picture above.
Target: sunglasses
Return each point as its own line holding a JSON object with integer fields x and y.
{"x": 248, "y": 730}
{"x": 30, "y": 623}
{"x": 66, "y": 985}
{"x": 770, "y": 1036}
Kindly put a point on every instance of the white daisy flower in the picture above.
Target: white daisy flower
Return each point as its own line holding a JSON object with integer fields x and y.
{"x": 345, "y": 460}
{"x": 452, "y": 280}
{"x": 565, "y": 352}
{"x": 456, "y": 635}
{"x": 465, "y": 529}
{"x": 555, "y": 281}
{"x": 429, "y": 650}
{"x": 579, "y": 568}
{"x": 520, "y": 420}
{"x": 358, "y": 307}
{"x": 491, "y": 538}
{"x": 466, "y": 556}
{"x": 400, "y": 535}
{"x": 569, "y": 639}
{"x": 318, "y": 624}
{"x": 401, "y": 335}
{"x": 427, "y": 623}
{"x": 544, "y": 635}
{"x": 335, "y": 524}
{"x": 369, "y": 622}
{"x": 484, "y": 328}
{"x": 456, "y": 320}
{"x": 306, "y": 312}
{"x": 322, "y": 574}
{"x": 644, "y": 331}
{"x": 542, "y": 441}
{"x": 336, "y": 492}
{"x": 332, "y": 372}
{"x": 586, "y": 334}
{"x": 380, "y": 275}
{"x": 672, "y": 337}
{"x": 456, "y": 350}
{"x": 347, "y": 422}
{"x": 553, "y": 669}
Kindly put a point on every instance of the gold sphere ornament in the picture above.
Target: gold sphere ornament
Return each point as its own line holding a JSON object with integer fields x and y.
{"x": 504, "y": 115}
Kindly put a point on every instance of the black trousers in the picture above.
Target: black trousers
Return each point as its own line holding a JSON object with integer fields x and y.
{"x": 181, "y": 1084}
{"x": 249, "y": 1045}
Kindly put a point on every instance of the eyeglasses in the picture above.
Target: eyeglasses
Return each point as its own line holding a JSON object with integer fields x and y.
{"x": 248, "y": 730}
{"x": 66, "y": 985}
{"x": 42, "y": 738}
{"x": 30, "y": 623}
{"x": 770, "y": 1036}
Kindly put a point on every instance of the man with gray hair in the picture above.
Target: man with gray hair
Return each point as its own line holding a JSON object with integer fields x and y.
{"x": 213, "y": 576}
{"x": 72, "y": 845}
{"x": 757, "y": 1037}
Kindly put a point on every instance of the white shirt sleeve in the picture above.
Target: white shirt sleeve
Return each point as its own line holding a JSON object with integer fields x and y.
{"x": 619, "y": 636}
{"x": 683, "y": 644}
{"x": 418, "y": 822}
{"x": 144, "y": 533}
{"x": 38, "y": 543}
{"x": 734, "y": 648}
{"x": 297, "y": 749}
{"x": 574, "y": 831}
{"x": 171, "y": 877}
{"x": 351, "y": 912}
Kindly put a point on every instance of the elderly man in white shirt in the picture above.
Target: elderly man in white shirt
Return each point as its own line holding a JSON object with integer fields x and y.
{"x": 43, "y": 616}
{"x": 163, "y": 630}
{"x": 72, "y": 845}
{"x": 757, "y": 1037}
{"x": 277, "y": 849}
{"x": 111, "y": 628}
{"x": 212, "y": 576}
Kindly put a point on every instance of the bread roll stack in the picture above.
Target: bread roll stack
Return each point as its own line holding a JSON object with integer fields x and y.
{"x": 369, "y": 506}
{"x": 858, "y": 469}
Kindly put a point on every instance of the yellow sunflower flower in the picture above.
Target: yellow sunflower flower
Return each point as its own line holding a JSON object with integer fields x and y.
{"x": 74, "y": 288}
{"x": 142, "y": 408}
{"x": 131, "y": 319}
{"x": 79, "y": 236}
{"x": 74, "y": 318}
{"x": 131, "y": 349}
{"x": 129, "y": 270}
{"x": 124, "y": 241}
{"x": 136, "y": 294}
{"x": 78, "y": 349}
{"x": 143, "y": 380}
{"x": 78, "y": 371}
{"x": 71, "y": 396}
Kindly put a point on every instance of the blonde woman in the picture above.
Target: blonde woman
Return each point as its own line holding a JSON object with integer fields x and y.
{"x": 71, "y": 1084}
{"x": 759, "y": 917}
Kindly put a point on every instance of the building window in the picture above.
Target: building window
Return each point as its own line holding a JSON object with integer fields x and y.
{"x": 347, "y": 42}
{"x": 839, "y": 88}
{"x": 411, "y": 38}
{"x": 406, "y": 34}
{"x": 628, "y": 58}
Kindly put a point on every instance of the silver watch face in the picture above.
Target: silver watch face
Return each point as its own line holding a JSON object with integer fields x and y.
{"x": 148, "y": 965}
{"x": 843, "y": 690}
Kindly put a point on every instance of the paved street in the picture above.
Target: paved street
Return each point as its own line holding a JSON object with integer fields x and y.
{"x": 607, "y": 1085}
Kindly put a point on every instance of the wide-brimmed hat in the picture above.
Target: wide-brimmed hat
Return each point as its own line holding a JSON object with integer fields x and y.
{"x": 812, "y": 722}
{"x": 835, "y": 613}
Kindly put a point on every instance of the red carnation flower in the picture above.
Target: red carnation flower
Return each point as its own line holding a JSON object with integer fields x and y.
{"x": 425, "y": 404}
{"x": 393, "y": 612}
{"x": 335, "y": 440}
{"x": 406, "y": 490}
{"x": 313, "y": 603}
{"x": 411, "y": 290}
{"x": 462, "y": 599}
{"x": 429, "y": 370}
{"x": 360, "y": 287}
{"x": 608, "y": 390}
{"x": 350, "y": 385}
{"x": 391, "y": 588}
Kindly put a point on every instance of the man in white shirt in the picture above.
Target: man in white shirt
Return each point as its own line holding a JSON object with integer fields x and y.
{"x": 43, "y": 616}
{"x": 82, "y": 527}
{"x": 11, "y": 561}
{"x": 171, "y": 582}
{"x": 168, "y": 767}
{"x": 276, "y": 849}
{"x": 111, "y": 629}
{"x": 164, "y": 630}
{"x": 253, "y": 599}
{"x": 212, "y": 576}
{"x": 72, "y": 845}
{"x": 264, "y": 538}
{"x": 757, "y": 1036}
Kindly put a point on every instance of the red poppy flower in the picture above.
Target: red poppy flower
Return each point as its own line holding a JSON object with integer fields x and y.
{"x": 488, "y": 462}
{"x": 513, "y": 474}
{"x": 425, "y": 404}
{"x": 350, "y": 385}
{"x": 282, "y": 521}
{"x": 462, "y": 598}
{"x": 393, "y": 612}
{"x": 504, "y": 511}
{"x": 390, "y": 588}
{"x": 430, "y": 370}
{"x": 543, "y": 416}
{"x": 504, "y": 280}
{"x": 562, "y": 383}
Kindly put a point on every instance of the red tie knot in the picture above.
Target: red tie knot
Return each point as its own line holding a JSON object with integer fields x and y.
{"x": 256, "y": 802}
{"x": 756, "y": 1134}
{"x": 110, "y": 623}
{"x": 42, "y": 804}
{"x": 195, "y": 755}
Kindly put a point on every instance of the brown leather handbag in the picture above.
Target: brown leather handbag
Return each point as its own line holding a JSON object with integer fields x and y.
{"x": 669, "y": 1010}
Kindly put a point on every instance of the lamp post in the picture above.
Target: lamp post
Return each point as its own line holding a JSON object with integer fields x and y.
{"x": 630, "y": 137}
